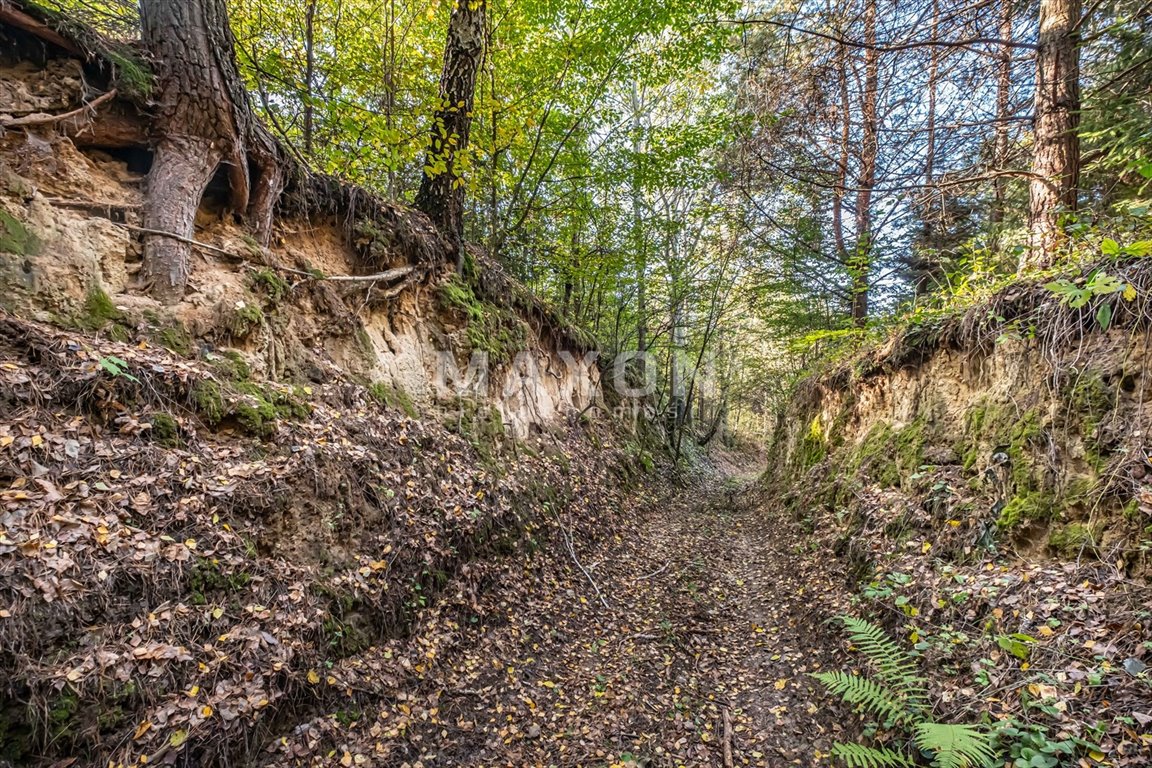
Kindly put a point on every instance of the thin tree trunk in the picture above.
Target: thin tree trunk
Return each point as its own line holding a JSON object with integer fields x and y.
{"x": 441, "y": 193}
{"x": 842, "y": 165}
{"x": 861, "y": 263}
{"x": 1056, "y": 157}
{"x": 309, "y": 74}
{"x": 203, "y": 118}
{"x": 1003, "y": 97}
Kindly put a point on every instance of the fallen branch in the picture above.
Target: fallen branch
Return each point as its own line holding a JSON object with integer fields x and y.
{"x": 386, "y": 276}
{"x": 656, "y": 572}
{"x": 727, "y": 738}
{"x": 575, "y": 559}
{"x": 24, "y": 122}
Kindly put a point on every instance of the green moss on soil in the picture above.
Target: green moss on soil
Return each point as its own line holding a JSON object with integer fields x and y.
{"x": 268, "y": 282}
{"x": 391, "y": 396}
{"x": 493, "y": 329}
{"x": 1074, "y": 539}
{"x": 165, "y": 429}
{"x": 17, "y": 238}
{"x": 889, "y": 455}
{"x": 1032, "y": 506}
{"x": 98, "y": 310}
{"x": 208, "y": 401}
{"x": 245, "y": 320}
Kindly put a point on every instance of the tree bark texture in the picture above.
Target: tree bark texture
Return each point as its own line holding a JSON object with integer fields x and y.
{"x": 1003, "y": 104}
{"x": 860, "y": 265}
{"x": 441, "y": 193}
{"x": 1056, "y": 156}
{"x": 203, "y": 118}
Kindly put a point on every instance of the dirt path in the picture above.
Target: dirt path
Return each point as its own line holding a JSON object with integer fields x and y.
{"x": 701, "y": 657}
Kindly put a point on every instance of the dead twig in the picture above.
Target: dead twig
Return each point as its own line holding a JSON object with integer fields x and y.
{"x": 727, "y": 738}
{"x": 575, "y": 559}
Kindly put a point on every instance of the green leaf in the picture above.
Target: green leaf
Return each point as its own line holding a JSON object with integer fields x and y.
{"x": 1109, "y": 247}
{"x": 1104, "y": 315}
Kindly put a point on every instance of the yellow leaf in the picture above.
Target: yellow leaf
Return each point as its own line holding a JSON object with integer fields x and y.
{"x": 781, "y": 684}
{"x": 1129, "y": 292}
{"x": 313, "y": 677}
{"x": 548, "y": 684}
{"x": 178, "y": 738}
{"x": 194, "y": 691}
{"x": 142, "y": 729}
{"x": 346, "y": 760}
{"x": 927, "y": 546}
{"x": 1097, "y": 756}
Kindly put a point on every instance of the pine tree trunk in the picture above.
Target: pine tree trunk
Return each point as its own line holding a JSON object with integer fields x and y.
{"x": 441, "y": 193}
{"x": 203, "y": 118}
{"x": 1003, "y": 104}
{"x": 1056, "y": 157}
{"x": 861, "y": 263}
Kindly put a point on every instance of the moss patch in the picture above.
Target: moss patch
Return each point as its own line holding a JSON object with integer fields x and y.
{"x": 245, "y": 320}
{"x": 889, "y": 455}
{"x": 208, "y": 401}
{"x": 17, "y": 238}
{"x": 491, "y": 328}
{"x": 269, "y": 283}
{"x": 1028, "y": 507}
{"x": 165, "y": 429}
{"x": 1074, "y": 539}
{"x": 393, "y": 397}
{"x": 98, "y": 310}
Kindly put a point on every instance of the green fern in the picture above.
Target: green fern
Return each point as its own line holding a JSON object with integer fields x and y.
{"x": 895, "y": 667}
{"x": 867, "y": 694}
{"x": 860, "y": 756}
{"x": 899, "y": 698}
{"x": 955, "y": 746}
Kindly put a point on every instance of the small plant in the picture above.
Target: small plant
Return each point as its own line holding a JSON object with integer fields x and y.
{"x": 898, "y": 698}
{"x": 1099, "y": 284}
{"x": 116, "y": 368}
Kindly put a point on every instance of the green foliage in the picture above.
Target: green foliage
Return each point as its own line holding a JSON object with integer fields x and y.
{"x": 116, "y": 368}
{"x": 898, "y": 699}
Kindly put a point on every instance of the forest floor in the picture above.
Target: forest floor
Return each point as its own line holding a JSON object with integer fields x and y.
{"x": 699, "y": 654}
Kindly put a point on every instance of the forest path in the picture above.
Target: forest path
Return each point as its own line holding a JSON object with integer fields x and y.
{"x": 699, "y": 654}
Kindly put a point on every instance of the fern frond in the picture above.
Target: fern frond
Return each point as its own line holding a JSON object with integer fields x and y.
{"x": 895, "y": 666}
{"x": 860, "y": 756}
{"x": 955, "y": 746}
{"x": 865, "y": 693}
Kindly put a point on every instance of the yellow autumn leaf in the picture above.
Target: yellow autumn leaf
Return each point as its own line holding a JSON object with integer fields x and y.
{"x": 781, "y": 684}
{"x": 142, "y": 729}
{"x": 313, "y": 676}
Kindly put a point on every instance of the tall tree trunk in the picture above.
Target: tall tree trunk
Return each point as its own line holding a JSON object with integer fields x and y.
{"x": 842, "y": 163}
{"x": 1056, "y": 157}
{"x": 1003, "y": 104}
{"x": 861, "y": 263}
{"x": 309, "y": 75}
{"x": 441, "y": 193}
{"x": 203, "y": 119}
